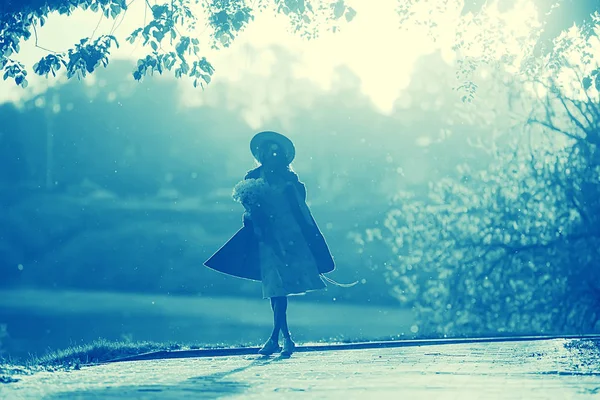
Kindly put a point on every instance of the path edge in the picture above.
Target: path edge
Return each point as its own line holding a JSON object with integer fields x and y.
{"x": 241, "y": 351}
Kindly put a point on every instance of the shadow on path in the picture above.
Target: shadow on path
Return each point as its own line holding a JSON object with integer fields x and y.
{"x": 212, "y": 386}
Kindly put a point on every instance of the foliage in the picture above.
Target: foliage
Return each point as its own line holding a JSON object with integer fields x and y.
{"x": 511, "y": 248}
{"x": 7, "y": 379}
{"x": 481, "y": 37}
{"x": 169, "y": 33}
{"x": 556, "y": 15}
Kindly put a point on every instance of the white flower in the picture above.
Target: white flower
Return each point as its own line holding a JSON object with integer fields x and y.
{"x": 251, "y": 193}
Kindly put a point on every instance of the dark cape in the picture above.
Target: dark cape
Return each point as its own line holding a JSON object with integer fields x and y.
{"x": 239, "y": 256}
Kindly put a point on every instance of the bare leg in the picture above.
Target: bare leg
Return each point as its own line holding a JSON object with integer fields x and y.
{"x": 276, "y": 318}
{"x": 272, "y": 345}
{"x": 288, "y": 344}
{"x": 283, "y": 324}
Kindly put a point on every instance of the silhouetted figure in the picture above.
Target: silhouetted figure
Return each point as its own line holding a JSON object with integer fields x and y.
{"x": 280, "y": 243}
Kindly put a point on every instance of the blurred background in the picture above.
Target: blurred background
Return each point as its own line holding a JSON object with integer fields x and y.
{"x": 459, "y": 214}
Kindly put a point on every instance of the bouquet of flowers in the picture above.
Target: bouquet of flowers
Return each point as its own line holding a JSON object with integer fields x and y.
{"x": 251, "y": 193}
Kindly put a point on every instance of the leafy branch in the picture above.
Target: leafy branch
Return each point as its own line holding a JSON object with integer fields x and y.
{"x": 169, "y": 34}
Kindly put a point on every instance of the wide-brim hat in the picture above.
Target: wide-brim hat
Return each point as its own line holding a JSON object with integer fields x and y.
{"x": 261, "y": 138}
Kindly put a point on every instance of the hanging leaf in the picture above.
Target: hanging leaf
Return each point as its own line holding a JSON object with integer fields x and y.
{"x": 338, "y": 9}
{"x": 350, "y": 14}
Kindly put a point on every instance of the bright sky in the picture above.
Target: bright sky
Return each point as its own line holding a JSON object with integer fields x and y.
{"x": 372, "y": 45}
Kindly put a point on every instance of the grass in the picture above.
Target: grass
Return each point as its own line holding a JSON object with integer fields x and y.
{"x": 74, "y": 357}
{"x": 583, "y": 345}
{"x": 98, "y": 351}
{"x": 585, "y": 354}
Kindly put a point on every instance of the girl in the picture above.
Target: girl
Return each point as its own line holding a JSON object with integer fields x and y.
{"x": 280, "y": 243}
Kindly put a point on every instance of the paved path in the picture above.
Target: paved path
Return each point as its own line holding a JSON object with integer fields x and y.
{"x": 502, "y": 370}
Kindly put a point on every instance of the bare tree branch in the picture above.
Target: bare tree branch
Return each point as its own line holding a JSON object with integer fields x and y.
{"x": 556, "y": 129}
{"x": 590, "y": 103}
{"x": 36, "y": 41}
{"x": 97, "y": 25}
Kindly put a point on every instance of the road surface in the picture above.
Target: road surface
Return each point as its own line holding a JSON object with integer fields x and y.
{"x": 502, "y": 370}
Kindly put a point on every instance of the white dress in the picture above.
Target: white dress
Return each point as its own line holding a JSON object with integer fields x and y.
{"x": 287, "y": 264}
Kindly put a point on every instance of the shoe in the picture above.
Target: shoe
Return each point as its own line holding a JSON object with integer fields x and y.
{"x": 288, "y": 347}
{"x": 270, "y": 347}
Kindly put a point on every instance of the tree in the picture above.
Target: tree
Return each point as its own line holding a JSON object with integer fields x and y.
{"x": 556, "y": 15}
{"x": 512, "y": 248}
{"x": 169, "y": 33}
{"x": 482, "y": 36}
